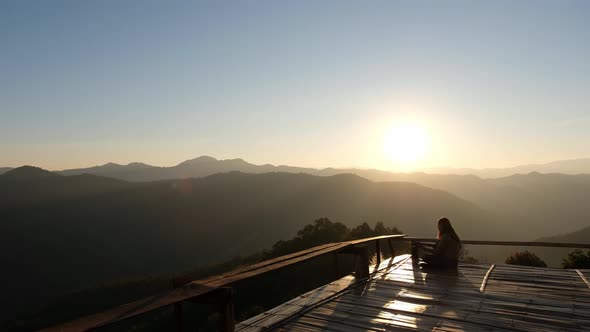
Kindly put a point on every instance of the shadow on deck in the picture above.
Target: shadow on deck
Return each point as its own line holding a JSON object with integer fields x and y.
{"x": 399, "y": 296}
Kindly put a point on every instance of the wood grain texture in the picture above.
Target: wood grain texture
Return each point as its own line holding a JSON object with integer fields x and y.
{"x": 402, "y": 297}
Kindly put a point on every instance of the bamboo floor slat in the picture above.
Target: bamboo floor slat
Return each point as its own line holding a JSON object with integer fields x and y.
{"x": 401, "y": 297}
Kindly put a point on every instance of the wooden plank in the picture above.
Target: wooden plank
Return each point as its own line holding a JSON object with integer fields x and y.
{"x": 294, "y": 255}
{"x": 583, "y": 278}
{"x": 399, "y": 237}
{"x": 534, "y": 301}
{"x": 310, "y": 300}
{"x": 485, "y": 279}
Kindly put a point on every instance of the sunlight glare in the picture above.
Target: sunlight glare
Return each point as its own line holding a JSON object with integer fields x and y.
{"x": 406, "y": 144}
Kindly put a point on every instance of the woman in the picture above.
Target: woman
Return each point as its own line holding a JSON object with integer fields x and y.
{"x": 446, "y": 251}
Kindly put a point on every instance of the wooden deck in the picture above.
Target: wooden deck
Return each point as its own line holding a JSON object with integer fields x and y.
{"x": 399, "y": 296}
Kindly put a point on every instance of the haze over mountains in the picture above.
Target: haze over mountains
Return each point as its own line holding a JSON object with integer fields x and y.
{"x": 204, "y": 165}
{"x": 556, "y": 201}
{"x": 573, "y": 166}
{"x": 84, "y": 229}
{"x": 86, "y": 226}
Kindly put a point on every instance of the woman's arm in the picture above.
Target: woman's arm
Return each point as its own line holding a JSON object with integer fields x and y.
{"x": 442, "y": 246}
{"x": 427, "y": 247}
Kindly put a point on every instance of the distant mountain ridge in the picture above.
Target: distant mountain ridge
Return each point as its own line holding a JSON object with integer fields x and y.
{"x": 206, "y": 165}
{"x": 579, "y": 236}
{"x": 193, "y": 168}
{"x": 89, "y": 228}
{"x": 28, "y": 184}
{"x": 554, "y": 256}
{"x": 543, "y": 197}
{"x": 572, "y": 167}
{"x": 4, "y": 169}
{"x": 28, "y": 172}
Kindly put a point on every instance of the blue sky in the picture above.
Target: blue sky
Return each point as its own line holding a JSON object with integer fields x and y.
{"x": 310, "y": 83}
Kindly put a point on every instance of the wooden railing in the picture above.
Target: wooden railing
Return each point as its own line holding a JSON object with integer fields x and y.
{"x": 415, "y": 241}
{"x": 218, "y": 289}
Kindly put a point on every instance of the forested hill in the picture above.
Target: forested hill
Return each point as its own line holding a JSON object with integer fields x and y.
{"x": 95, "y": 229}
{"x": 28, "y": 185}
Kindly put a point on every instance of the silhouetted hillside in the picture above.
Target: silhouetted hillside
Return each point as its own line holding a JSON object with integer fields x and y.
{"x": 80, "y": 230}
{"x": 548, "y": 203}
{"x": 554, "y": 256}
{"x": 28, "y": 184}
{"x": 580, "y": 236}
{"x": 4, "y": 169}
{"x": 26, "y": 171}
{"x": 535, "y": 199}
{"x": 280, "y": 286}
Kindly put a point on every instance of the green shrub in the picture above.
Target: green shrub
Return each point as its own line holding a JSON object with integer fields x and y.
{"x": 577, "y": 259}
{"x": 525, "y": 258}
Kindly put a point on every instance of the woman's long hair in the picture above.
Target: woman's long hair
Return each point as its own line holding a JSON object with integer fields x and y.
{"x": 444, "y": 227}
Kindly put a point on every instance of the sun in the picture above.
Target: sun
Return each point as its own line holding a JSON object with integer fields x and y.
{"x": 406, "y": 144}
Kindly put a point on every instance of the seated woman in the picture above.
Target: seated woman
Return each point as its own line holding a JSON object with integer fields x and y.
{"x": 445, "y": 253}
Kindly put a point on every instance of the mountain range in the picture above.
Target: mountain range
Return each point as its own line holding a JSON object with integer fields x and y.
{"x": 60, "y": 233}
{"x": 72, "y": 229}
{"x": 143, "y": 172}
{"x": 556, "y": 201}
{"x": 573, "y": 166}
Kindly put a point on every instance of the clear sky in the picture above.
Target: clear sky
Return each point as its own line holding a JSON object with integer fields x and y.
{"x": 309, "y": 83}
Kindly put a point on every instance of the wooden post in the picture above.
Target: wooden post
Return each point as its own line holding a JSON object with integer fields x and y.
{"x": 336, "y": 269}
{"x": 362, "y": 266}
{"x": 178, "y": 315}
{"x": 361, "y": 260}
{"x": 223, "y": 299}
{"x": 378, "y": 252}
{"x": 179, "y": 282}
{"x": 415, "y": 257}
{"x": 227, "y": 311}
{"x": 390, "y": 244}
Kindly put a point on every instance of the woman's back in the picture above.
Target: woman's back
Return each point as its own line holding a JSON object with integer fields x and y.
{"x": 448, "y": 248}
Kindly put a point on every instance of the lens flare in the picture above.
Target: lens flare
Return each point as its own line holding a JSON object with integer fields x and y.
{"x": 406, "y": 144}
